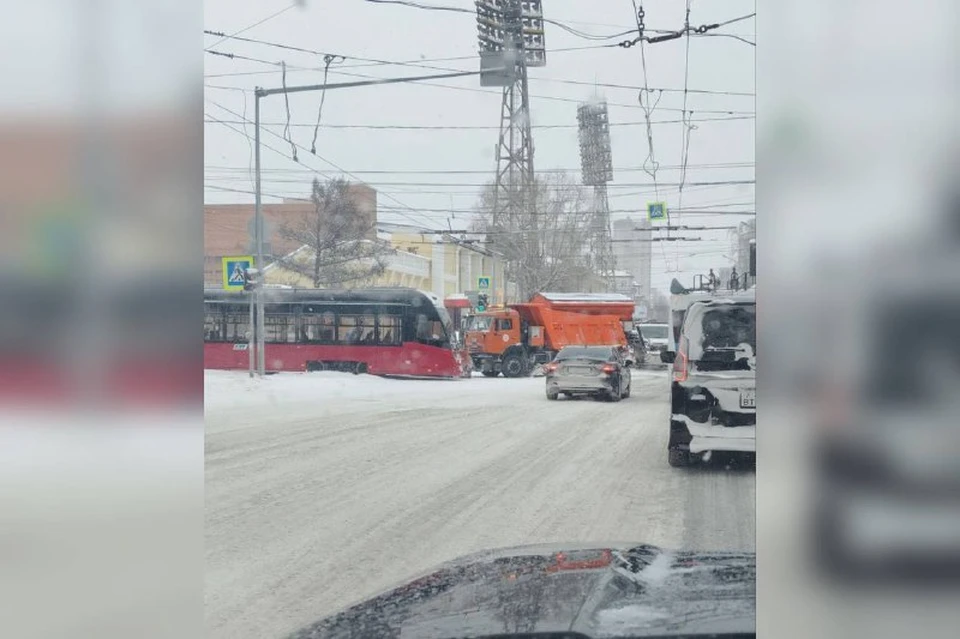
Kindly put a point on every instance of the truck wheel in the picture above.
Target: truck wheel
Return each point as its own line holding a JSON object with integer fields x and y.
{"x": 552, "y": 394}
{"x": 490, "y": 373}
{"x": 512, "y": 366}
{"x": 678, "y": 458}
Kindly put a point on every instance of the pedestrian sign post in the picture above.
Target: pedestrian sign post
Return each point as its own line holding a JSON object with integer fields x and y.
{"x": 656, "y": 211}
{"x": 233, "y": 270}
{"x": 483, "y": 283}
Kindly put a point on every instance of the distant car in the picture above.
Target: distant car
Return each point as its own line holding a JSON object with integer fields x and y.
{"x": 637, "y": 347}
{"x": 713, "y": 392}
{"x": 657, "y": 336}
{"x": 598, "y": 371}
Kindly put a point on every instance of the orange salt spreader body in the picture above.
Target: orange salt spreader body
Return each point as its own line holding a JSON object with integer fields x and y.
{"x": 513, "y": 340}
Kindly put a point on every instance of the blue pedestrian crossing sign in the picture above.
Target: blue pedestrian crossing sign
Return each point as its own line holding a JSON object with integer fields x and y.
{"x": 233, "y": 269}
{"x": 656, "y": 211}
{"x": 483, "y": 283}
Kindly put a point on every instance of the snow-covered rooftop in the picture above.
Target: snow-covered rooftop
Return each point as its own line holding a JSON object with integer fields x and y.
{"x": 586, "y": 297}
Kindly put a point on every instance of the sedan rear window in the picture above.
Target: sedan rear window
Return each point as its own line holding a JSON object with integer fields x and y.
{"x": 585, "y": 352}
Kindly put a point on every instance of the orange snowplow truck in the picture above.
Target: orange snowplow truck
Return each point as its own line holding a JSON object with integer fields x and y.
{"x": 515, "y": 339}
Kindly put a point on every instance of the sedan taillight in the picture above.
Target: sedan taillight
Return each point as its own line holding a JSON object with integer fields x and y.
{"x": 551, "y": 367}
{"x": 609, "y": 368}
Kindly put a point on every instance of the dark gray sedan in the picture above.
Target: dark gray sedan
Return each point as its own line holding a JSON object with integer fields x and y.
{"x": 598, "y": 371}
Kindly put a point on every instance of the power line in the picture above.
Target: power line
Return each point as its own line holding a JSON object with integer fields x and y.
{"x": 722, "y": 165}
{"x": 651, "y": 161}
{"x": 255, "y": 24}
{"x": 543, "y": 212}
{"x": 373, "y": 62}
{"x": 484, "y": 127}
{"x": 479, "y": 185}
{"x": 426, "y": 82}
{"x": 687, "y": 129}
{"x": 279, "y": 152}
{"x": 317, "y": 155}
{"x": 472, "y": 193}
{"x": 422, "y": 64}
{"x": 675, "y": 35}
{"x": 732, "y": 35}
{"x": 423, "y": 211}
{"x": 565, "y": 27}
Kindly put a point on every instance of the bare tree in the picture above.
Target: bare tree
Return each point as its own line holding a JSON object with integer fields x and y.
{"x": 339, "y": 240}
{"x": 545, "y": 247}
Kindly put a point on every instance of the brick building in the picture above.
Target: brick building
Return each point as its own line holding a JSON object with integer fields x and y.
{"x": 228, "y": 229}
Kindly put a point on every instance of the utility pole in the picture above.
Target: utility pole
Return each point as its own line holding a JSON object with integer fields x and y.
{"x": 257, "y": 318}
{"x": 257, "y": 325}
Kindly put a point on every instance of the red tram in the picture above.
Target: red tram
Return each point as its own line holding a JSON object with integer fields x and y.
{"x": 381, "y": 331}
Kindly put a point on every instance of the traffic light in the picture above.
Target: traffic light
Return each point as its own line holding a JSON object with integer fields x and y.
{"x": 482, "y": 303}
{"x": 251, "y": 279}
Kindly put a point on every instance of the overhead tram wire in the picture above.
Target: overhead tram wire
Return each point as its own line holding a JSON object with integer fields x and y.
{"x": 472, "y": 12}
{"x": 318, "y": 156}
{"x": 650, "y": 161}
{"x": 723, "y": 165}
{"x": 486, "y": 91}
{"x": 453, "y": 69}
{"x": 378, "y": 63}
{"x": 730, "y": 35}
{"x": 687, "y": 128}
{"x": 484, "y": 127}
{"x": 255, "y": 24}
{"x": 285, "y": 155}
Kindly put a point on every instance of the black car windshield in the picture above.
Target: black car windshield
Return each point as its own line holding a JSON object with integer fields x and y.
{"x": 585, "y": 352}
{"x": 728, "y": 337}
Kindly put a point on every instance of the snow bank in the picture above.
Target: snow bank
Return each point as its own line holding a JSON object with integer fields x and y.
{"x": 234, "y": 391}
{"x": 236, "y": 388}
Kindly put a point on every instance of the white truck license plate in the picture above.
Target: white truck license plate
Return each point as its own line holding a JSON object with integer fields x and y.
{"x": 748, "y": 399}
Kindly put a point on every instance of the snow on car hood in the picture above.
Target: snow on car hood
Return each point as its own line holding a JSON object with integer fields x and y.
{"x": 599, "y": 591}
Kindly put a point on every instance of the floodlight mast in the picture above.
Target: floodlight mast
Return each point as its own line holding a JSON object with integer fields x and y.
{"x": 511, "y": 39}
{"x": 596, "y": 162}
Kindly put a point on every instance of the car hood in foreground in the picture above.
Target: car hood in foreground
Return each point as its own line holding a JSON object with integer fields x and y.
{"x": 620, "y": 591}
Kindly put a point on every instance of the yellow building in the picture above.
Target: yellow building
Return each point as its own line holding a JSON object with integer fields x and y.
{"x": 438, "y": 263}
{"x": 456, "y": 266}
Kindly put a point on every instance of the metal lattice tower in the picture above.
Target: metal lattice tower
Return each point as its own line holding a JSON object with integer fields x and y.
{"x": 596, "y": 162}
{"x": 511, "y": 39}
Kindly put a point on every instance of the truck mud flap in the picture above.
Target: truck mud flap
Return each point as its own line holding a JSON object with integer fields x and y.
{"x": 680, "y": 436}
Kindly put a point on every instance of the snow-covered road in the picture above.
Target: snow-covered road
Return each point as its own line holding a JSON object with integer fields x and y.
{"x": 325, "y": 488}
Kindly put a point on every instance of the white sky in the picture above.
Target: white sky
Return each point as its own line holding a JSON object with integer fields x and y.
{"x": 355, "y": 28}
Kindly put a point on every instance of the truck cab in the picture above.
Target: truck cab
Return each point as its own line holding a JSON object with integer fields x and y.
{"x": 500, "y": 341}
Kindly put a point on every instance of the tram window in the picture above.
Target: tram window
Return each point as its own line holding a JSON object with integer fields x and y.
{"x": 214, "y": 327}
{"x": 238, "y": 326}
{"x": 317, "y": 328}
{"x": 389, "y": 330}
{"x": 281, "y": 328}
{"x": 356, "y": 329}
{"x": 430, "y": 331}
